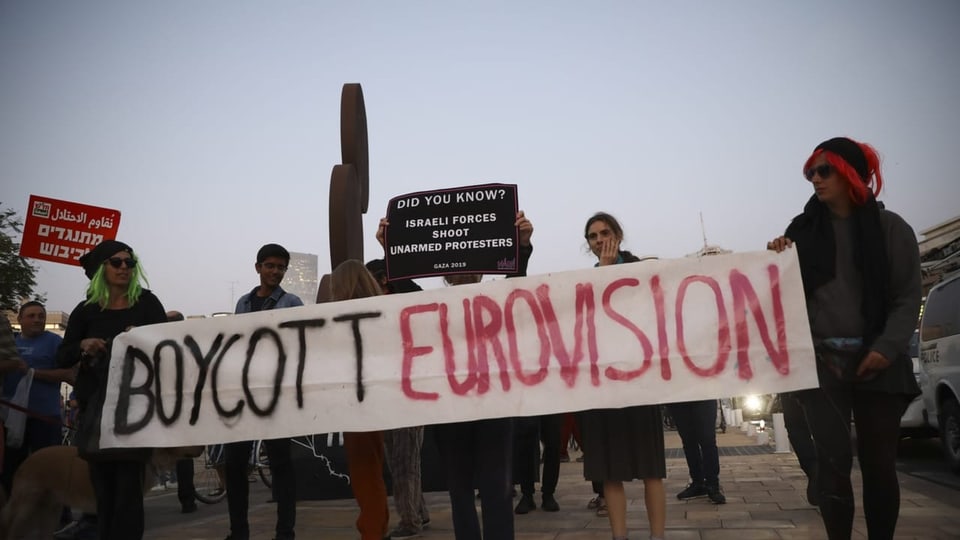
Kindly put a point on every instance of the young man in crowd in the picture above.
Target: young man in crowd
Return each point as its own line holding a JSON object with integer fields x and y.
{"x": 271, "y": 265}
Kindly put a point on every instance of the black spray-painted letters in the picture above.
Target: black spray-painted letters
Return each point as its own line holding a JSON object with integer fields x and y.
{"x": 263, "y": 344}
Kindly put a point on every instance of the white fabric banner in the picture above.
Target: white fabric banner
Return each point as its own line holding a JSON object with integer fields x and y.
{"x": 630, "y": 334}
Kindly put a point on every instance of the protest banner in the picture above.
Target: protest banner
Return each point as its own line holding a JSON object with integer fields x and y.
{"x": 464, "y": 230}
{"x": 629, "y": 334}
{"x": 62, "y": 231}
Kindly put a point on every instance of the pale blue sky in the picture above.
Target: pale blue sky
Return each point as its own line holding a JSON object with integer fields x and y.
{"x": 213, "y": 125}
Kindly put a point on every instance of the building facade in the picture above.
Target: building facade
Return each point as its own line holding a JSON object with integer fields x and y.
{"x": 301, "y": 278}
{"x": 939, "y": 251}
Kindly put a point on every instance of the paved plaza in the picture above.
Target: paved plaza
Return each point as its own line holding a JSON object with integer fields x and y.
{"x": 765, "y": 500}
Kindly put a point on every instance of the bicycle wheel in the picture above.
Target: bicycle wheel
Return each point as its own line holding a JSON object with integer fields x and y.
{"x": 263, "y": 465}
{"x": 208, "y": 485}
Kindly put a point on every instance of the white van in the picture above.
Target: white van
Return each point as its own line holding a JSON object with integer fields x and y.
{"x": 915, "y": 422}
{"x": 940, "y": 359}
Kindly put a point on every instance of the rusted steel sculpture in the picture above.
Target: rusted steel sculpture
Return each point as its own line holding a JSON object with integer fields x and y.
{"x": 353, "y": 138}
{"x": 349, "y": 185}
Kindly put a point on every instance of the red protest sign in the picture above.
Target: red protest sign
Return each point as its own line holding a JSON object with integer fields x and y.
{"x": 62, "y": 231}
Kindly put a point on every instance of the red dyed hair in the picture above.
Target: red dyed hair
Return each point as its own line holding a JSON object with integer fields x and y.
{"x": 857, "y": 187}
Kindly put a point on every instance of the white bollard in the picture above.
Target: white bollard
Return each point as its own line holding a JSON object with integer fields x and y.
{"x": 763, "y": 438}
{"x": 780, "y": 434}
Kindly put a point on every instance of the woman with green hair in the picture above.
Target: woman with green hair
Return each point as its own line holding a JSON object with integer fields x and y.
{"x": 116, "y": 301}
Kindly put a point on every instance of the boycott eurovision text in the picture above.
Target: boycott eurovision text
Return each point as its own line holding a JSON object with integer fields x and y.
{"x": 464, "y": 230}
{"x": 629, "y": 334}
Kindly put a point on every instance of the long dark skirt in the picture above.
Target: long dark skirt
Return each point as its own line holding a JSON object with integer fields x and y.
{"x": 623, "y": 444}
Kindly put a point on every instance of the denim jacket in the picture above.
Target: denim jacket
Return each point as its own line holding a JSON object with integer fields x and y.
{"x": 278, "y": 299}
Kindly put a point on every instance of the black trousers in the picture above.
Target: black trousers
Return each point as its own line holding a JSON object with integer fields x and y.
{"x": 118, "y": 486}
{"x": 185, "y": 481}
{"x": 696, "y": 424}
{"x": 479, "y": 454}
{"x": 236, "y": 469}
{"x": 876, "y": 416}
{"x": 798, "y": 431}
{"x": 530, "y": 432}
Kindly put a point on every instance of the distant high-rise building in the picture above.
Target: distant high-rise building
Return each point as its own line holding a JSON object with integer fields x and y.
{"x": 301, "y": 278}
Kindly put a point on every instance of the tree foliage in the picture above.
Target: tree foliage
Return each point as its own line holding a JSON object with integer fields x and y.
{"x": 17, "y": 275}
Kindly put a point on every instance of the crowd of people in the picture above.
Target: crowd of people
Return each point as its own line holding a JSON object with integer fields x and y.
{"x": 861, "y": 278}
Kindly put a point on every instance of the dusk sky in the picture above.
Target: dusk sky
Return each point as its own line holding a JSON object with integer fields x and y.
{"x": 213, "y": 126}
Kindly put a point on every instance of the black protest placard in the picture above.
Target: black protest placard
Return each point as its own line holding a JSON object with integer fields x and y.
{"x": 464, "y": 230}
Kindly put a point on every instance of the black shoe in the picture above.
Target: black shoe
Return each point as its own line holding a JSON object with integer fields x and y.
{"x": 549, "y": 504}
{"x": 403, "y": 532}
{"x": 67, "y": 531}
{"x": 424, "y": 523}
{"x": 715, "y": 493}
{"x": 188, "y": 508}
{"x": 692, "y": 491}
{"x": 81, "y": 529}
{"x": 525, "y": 505}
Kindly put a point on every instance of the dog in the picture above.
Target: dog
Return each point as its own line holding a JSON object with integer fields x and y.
{"x": 57, "y": 476}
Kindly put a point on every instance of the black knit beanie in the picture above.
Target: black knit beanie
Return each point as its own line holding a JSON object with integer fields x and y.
{"x": 850, "y": 152}
{"x": 92, "y": 259}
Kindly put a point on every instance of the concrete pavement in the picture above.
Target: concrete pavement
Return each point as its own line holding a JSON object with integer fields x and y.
{"x": 765, "y": 500}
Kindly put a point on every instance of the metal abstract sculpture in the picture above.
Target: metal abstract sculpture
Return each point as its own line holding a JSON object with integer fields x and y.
{"x": 349, "y": 185}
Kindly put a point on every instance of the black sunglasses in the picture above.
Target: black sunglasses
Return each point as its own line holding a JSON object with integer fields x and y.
{"x": 822, "y": 170}
{"x": 117, "y": 262}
